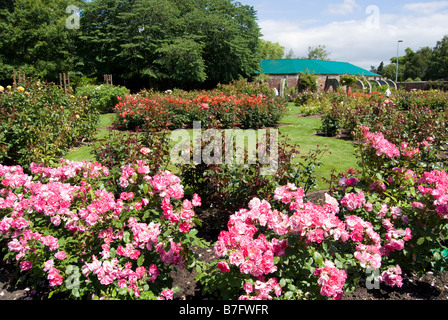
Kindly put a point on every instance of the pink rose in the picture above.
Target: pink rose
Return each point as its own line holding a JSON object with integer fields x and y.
{"x": 19, "y": 223}
{"x": 248, "y": 287}
{"x": 196, "y": 200}
{"x": 25, "y": 265}
{"x": 167, "y": 294}
{"x": 60, "y": 255}
{"x": 223, "y": 266}
{"x": 184, "y": 227}
{"x": 220, "y": 249}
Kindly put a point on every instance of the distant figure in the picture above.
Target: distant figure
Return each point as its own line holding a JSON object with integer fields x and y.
{"x": 276, "y": 92}
{"x": 388, "y": 93}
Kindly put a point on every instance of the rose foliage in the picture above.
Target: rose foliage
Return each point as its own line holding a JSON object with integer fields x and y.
{"x": 62, "y": 224}
{"x": 374, "y": 225}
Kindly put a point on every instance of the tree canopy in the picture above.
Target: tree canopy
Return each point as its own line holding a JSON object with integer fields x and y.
{"x": 424, "y": 64}
{"x": 34, "y": 38}
{"x": 271, "y": 50}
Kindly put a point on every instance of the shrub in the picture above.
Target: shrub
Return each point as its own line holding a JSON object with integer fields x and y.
{"x": 434, "y": 100}
{"x": 308, "y": 81}
{"x": 90, "y": 244}
{"x": 121, "y": 148}
{"x": 39, "y": 122}
{"x": 389, "y": 219}
{"x": 330, "y": 126}
{"x": 103, "y": 97}
{"x": 225, "y": 187}
{"x": 212, "y": 109}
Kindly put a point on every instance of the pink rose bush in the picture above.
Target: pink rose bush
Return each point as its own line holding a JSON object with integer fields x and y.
{"x": 378, "y": 142}
{"x": 61, "y": 223}
{"x": 315, "y": 251}
{"x": 265, "y": 242}
{"x": 64, "y": 225}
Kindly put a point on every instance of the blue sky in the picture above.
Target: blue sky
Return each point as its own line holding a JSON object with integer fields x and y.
{"x": 362, "y": 32}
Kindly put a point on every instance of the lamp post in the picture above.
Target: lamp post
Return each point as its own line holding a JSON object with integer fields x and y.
{"x": 396, "y": 75}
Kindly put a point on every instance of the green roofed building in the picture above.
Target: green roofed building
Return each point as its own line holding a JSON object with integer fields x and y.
{"x": 287, "y": 71}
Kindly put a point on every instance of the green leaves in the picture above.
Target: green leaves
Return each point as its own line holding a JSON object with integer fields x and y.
{"x": 41, "y": 122}
{"x": 181, "y": 61}
{"x": 37, "y": 40}
{"x": 169, "y": 43}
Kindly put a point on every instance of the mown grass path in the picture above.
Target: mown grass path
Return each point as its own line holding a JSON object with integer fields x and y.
{"x": 303, "y": 131}
{"x": 83, "y": 153}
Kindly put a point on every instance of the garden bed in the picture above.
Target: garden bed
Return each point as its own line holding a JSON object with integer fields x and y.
{"x": 121, "y": 229}
{"x": 426, "y": 287}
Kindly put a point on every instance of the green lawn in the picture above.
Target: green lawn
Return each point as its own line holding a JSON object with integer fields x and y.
{"x": 84, "y": 153}
{"x": 301, "y": 131}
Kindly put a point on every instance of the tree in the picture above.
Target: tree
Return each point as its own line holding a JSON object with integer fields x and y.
{"x": 181, "y": 62}
{"x": 390, "y": 71}
{"x": 290, "y": 54}
{"x": 271, "y": 50}
{"x": 143, "y": 43}
{"x": 439, "y": 62}
{"x": 165, "y": 43}
{"x": 417, "y": 63}
{"x": 318, "y": 53}
{"x": 35, "y": 39}
{"x": 425, "y": 64}
{"x": 231, "y": 35}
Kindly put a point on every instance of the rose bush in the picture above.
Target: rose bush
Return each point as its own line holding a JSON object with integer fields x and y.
{"x": 236, "y": 105}
{"x": 103, "y": 98}
{"x": 39, "y": 122}
{"x": 93, "y": 234}
{"x": 61, "y": 224}
{"x": 386, "y": 218}
{"x": 417, "y": 113}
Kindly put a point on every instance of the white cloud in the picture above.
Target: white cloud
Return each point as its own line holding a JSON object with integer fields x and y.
{"x": 355, "y": 42}
{"x": 426, "y": 8}
{"x": 342, "y": 9}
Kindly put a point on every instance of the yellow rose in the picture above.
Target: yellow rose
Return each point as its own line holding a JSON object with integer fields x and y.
{"x": 8, "y": 87}
{"x": 21, "y": 89}
{"x": 77, "y": 116}
{"x": 2, "y": 89}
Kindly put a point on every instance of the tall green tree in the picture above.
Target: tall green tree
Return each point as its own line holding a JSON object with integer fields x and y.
{"x": 169, "y": 43}
{"x": 426, "y": 63}
{"x": 231, "y": 36}
{"x": 35, "y": 38}
{"x": 439, "y": 61}
{"x": 319, "y": 52}
{"x": 271, "y": 50}
{"x": 417, "y": 64}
